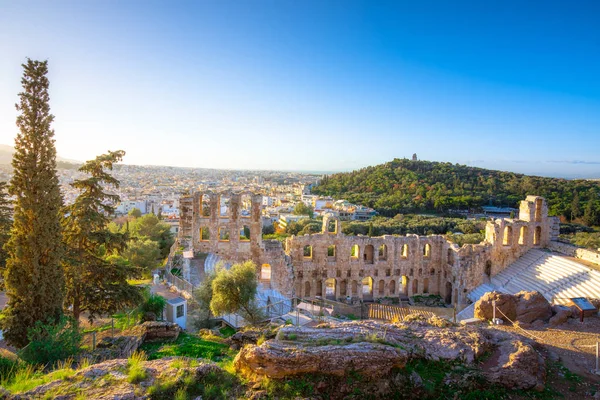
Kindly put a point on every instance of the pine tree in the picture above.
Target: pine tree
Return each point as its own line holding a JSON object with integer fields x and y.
{"x": 575, "y": 206}
{"x": 96, "y": 283}
{"x": 34, "y": 277}
{"x": 590, "y": 215}
{"x": 5, "y": 225}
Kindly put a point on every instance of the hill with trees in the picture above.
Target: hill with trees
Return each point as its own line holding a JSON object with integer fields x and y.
{"x": 407, "y": 186}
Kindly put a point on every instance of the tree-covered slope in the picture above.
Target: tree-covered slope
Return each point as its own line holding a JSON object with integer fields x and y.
{"x": 403, "y": 185}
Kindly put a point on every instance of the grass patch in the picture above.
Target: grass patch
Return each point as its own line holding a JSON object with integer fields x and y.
{"x": 227, "y": 331}
{"x": 135, "y": 369}
{"x": 136, "y": 282}
{"x": 187, "y": 346}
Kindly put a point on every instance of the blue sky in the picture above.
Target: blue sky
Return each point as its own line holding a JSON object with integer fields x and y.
{"x": 315, "y": 85}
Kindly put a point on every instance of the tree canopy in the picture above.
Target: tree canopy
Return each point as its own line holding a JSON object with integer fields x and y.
{"x": 404, "y": 186}
{"x": 34, "y": 278}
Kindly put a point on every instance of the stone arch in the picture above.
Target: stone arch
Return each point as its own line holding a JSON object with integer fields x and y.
{"x": 245, "y": 205}
{"x": 507, "y": 237}
{"x": 404, "y": 285}
{"x": 307, "y": 251}
{"x": 523, "y": 235}
{"x": 344, "y": 288}
{"x": 205, "y": 205}
{"x": 381, "y": 288}
{"x": 307, "y": 289}
{"x": 488, "y": 269}
{"x": 224, "y": 234}
{"x": 392, "y": 287}
{"x": 432, "y": 271}
{"x": 411, "y": 272}
{"x": 330, "y": 287}
{"x": 537, "y": 235}
{"x": 204, "y": 234}
{"x": 368, "y": 255}
{"x": 415, "y": 286}
{"x": 354, "y": 288}
{"x": 367, "y": 288}
{"x": 382, "y": 253}
{"x": 354, "y": 251}
{"x": 427, "y": 250}
{"x": 245, "y": 233}
{"x": 448, "y": 298}
{"x": 319, "y": 288}
{"x": 265, "y": 273}
{"x": 404, "y": 252}
{"x": 224, "y": 205}
{"x": 426, "y": 285}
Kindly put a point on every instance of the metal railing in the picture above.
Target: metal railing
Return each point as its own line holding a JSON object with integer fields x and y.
{"x": 178, "y": 282}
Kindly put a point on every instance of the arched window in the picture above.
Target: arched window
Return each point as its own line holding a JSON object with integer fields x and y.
{"x": 307, "y": 289}
{"x": 245, "y": 233}
{"x": 205, "y": 234}
{"x": 523, "y": 235}
{"x": 223, "y": 234}
{"x": 265, "y": 272}
{"x": 507, "y": 238}
{"x": 382, "y": 254}
{"x": 426, "y": 285}
{"x": 354, "y": 251}
{"x": 330, "y": 288}
{"x": 205, "y": 205}
{"x": 381, "y": 288}
{"x": 404, "y": 251}
{"x": 368, "y": 256}
{"x": 224, "y": 204}
{"x": 367, "y": 287}
{"x": 392, "y": 287}
{"x": 331, "y": 251}
{"x": 332, "y": 226}
{"x": 427, "y": 250}
{"x": 307, "y": 251}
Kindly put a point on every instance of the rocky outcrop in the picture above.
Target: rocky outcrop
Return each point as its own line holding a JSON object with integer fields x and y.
{"x": 504, "y": 302}
{"x": 373, "y": 349}
{"x": 532, "y": 306}
{"x": 561, "y": 315}
{"x": 127, "y": 342}
{"x": 110, "y": 380}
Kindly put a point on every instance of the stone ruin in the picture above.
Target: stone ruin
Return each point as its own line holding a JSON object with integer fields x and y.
{"x": 337, "y": 266}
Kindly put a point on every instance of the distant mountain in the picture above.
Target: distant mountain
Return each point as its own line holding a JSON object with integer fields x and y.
{"x": 6, "y": 155}
{"x": 403, "y": 185}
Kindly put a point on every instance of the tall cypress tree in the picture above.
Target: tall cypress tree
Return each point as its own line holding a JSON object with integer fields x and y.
{"x": 95, "y": 283}
{"x": 34, "y": 277}
{"x": 5, "y": 225}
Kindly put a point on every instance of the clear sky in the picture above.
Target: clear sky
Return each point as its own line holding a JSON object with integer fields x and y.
{"x": 315, "y": 85}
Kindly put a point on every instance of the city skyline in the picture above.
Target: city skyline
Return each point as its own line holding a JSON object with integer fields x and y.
{"x": 313, "y": 86}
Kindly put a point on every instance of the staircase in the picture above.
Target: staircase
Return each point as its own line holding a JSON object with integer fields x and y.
{"x": 556, "y": 277}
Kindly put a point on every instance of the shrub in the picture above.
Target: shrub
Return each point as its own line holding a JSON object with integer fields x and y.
{"x": 136, "y": 372}
{"x": 51, "y": 342}
{"x": 154, "y": 304}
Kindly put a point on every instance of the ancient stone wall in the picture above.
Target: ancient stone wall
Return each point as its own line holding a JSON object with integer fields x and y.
{"x": 336, "y": 266}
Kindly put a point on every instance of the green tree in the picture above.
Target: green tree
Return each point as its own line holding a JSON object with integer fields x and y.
{"x": 149, "y": 226}
{"x": 575, "y": 206}
{"x": 34, "y": 278}
{"x": 204, "y": 294}
{"x": 135, "y": 213}
{"x": 144, "y": 255}
{"x": 590, "y": 214}
{"x": 5, "y": 225}
{"x": 303, "y": 209}
{"x": 234, "y": 291}
{"x": 94, "y": 283}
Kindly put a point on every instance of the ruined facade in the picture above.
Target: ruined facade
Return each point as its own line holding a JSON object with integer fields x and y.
{"x": 336, "y": 266}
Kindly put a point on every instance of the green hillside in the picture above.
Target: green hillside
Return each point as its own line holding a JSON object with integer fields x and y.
{"x": 403, "y": 186}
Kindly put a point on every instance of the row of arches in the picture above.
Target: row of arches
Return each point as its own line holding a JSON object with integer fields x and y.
{"x": 224, "y": 234}
{"x": 368, "y": 255}
{"x": 507, "y": 237}
{"x": 367, "y": 288}
{"x": 225, "y": 205}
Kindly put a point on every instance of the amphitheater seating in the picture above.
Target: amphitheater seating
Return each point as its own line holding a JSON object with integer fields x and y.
{"x": 556, "y": 277}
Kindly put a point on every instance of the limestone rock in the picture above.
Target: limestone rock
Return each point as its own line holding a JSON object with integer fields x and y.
{"x": 532, "y": 306}
{"x": 107, "y": 380}
{"x": 561, "y": 315}
{"x": 519, "y": 367}
{"x": 160, "y": 331}
{"x": 277, "y": 360}
{"x": 504, "y": 302}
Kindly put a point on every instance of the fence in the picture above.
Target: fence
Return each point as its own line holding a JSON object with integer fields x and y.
{"x": 181, "y": 284}
{"x": 389, "y": 313}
